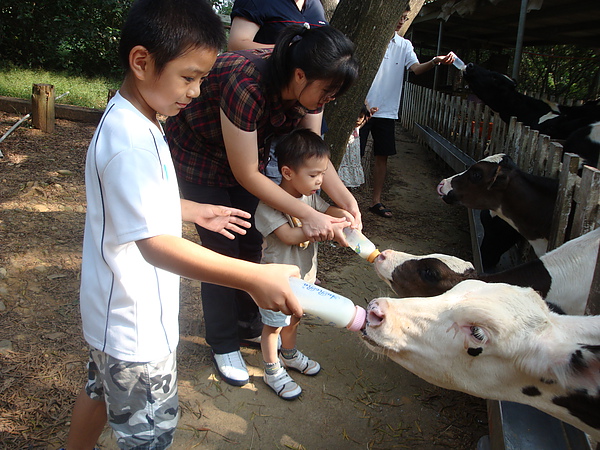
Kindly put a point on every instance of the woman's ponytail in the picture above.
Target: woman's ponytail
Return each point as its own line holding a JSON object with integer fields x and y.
{"x": 323, "y": 53}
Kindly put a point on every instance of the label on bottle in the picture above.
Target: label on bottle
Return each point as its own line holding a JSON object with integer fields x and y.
{"x": 328, "y": 307}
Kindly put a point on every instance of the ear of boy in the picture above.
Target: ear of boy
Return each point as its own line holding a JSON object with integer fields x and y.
{"x": 286, "y": 172}
{"x": 139, "y": 61}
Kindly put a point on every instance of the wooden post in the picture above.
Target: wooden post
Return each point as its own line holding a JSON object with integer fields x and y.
{"x": 42, "y": 107}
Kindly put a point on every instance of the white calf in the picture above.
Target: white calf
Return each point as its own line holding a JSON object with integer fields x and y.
{"x": 496, "y": 341}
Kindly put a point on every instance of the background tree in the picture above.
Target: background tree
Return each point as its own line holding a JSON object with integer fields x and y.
{"x": 561, "y": 70}
{"x": 79, "y": 37}
{"x": 329, "y": 7}
{"x": 370, "y": 25}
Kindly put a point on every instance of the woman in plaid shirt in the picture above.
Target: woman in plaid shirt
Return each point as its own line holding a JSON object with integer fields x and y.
{"x": 220, "y": 142}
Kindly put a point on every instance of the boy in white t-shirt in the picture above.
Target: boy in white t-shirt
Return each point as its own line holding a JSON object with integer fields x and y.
{"x": 302, "y": 158}
{"x": 133, "y": 252}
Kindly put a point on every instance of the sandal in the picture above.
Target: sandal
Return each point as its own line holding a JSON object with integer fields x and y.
{"x": 381, "y": 210}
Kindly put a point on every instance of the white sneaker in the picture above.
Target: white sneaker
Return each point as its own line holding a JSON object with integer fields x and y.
{"x": 283, "y": 385}
{"x": 302, "y": 364}
{"x": 231, "y": 368}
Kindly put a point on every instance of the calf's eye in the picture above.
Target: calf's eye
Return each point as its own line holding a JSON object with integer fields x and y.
{"x": 478, "y": 333}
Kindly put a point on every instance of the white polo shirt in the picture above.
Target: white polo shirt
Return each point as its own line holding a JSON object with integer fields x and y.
{"x": 387, "y": 86}
{"x": 129, "y": 307}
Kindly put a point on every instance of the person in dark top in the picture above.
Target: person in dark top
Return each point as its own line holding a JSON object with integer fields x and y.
{"x": 220, "y": 143}
{"x": 257, "y": 23}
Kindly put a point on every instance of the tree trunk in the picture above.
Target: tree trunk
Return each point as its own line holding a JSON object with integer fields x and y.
{"x": 329, "y": 7}
{"x": 370, "y": 25}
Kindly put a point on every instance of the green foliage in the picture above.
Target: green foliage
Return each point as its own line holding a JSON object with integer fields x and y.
{"x": 78, "y": 36}
{"x": 222, "y": 6}
{"x": 561, "y": 70}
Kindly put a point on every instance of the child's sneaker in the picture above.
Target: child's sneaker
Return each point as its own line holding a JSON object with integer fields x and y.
{"x": 283, "y": 385}
{"x": 301, "y": 363}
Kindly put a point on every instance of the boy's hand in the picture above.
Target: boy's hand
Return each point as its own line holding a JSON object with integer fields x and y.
{"x": 340, "y": 237}
{"x": 220, "y": 219}
{"x": 320, "y": 227}
{"x": 272, "y": 290}
{"x": 349, "y": 217}
{"x": 355, "y": 217}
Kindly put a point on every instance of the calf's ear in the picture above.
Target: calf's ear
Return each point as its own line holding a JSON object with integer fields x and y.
{"x": 574, "y": 366}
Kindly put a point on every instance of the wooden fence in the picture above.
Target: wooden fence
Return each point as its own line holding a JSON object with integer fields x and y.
{"x": 479, "y": 132}
{"x": 462, "y": 132}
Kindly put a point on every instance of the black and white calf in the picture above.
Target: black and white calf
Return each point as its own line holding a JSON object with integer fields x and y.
{"x": 495, "y": 341}
{"x": 579, "y": 125}
{"x": 563, "y": 276}
{"x": 524, "y": 201}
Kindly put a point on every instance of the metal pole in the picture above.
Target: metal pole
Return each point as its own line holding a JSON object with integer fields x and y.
{"x": 439, "y": 51}
{"x": 519, "y": 43}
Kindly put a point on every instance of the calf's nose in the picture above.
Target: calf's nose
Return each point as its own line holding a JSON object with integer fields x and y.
{"x": 440, "y": 188}
{"x": 375, "y": 314}
{"x": 383, "y": 256}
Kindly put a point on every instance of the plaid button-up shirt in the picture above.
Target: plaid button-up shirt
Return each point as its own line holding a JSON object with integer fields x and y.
{"x": 235, "y": 85}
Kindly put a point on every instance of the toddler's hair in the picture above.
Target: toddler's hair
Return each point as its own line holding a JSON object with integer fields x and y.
{"x": 169, "y": 28}
{"x": 364, "y": 113}
{"x": 298, "y": 146}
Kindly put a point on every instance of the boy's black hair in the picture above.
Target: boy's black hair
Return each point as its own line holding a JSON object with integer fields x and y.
{"x": 169, "y": 28}
{"x": 323, "y": 53}
{"x": 298, "y": 146}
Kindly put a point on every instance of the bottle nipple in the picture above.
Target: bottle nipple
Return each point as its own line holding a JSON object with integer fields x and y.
{"x": 358, "y": 323}
{"x": 372, "y": 256}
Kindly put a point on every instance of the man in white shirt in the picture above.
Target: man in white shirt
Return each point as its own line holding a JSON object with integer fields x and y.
{"x": 384, "y": 95}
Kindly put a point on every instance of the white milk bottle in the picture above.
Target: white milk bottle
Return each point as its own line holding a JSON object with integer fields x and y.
{"x": 458, "y": 63}
{"x": 360, "y": 244}
{"x": 328, "y": 307}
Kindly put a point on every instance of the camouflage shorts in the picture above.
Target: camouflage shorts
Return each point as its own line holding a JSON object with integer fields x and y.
{"x": 141, "y": 398}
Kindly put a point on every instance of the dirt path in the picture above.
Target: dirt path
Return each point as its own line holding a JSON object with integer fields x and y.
{"x": 358, "y": 401}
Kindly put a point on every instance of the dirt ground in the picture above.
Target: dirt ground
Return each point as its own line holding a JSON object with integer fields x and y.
{"x": 358, "y": 401}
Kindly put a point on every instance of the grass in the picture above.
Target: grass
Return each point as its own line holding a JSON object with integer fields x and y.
{"x": 83, "y": 91}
